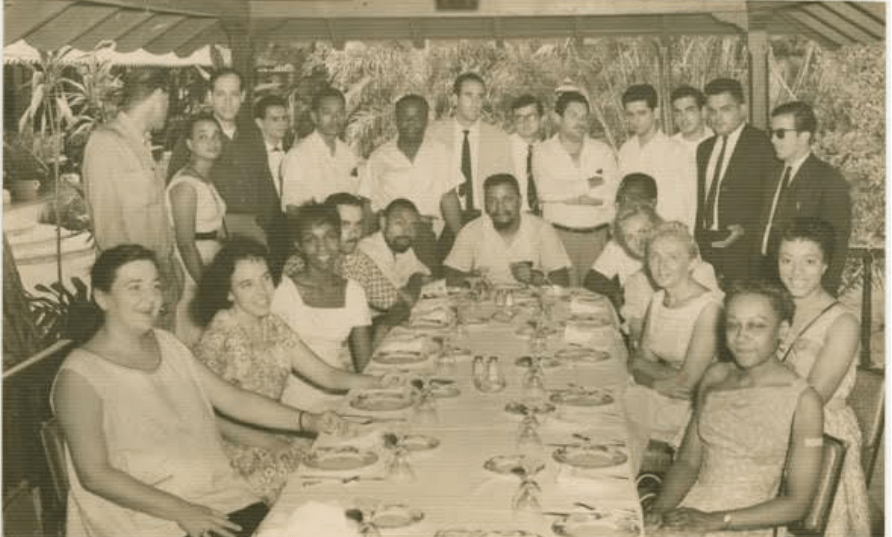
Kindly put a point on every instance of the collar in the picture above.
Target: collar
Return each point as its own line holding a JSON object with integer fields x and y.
{"x": 270, "y": 147}
{"x": 473, "y": 130}
{"x": 735, "y": 134}
{"x": 797, "y": 165}
{"x": 229, "y": 133}
{"x": 133, "y": 129}
{"x": 658, "y": 137}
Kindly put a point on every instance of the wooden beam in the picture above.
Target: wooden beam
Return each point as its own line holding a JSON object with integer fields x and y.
{"x": 242, "y": 48}
{"x": 758, "y": 47}
{"x": 865, "y": 22}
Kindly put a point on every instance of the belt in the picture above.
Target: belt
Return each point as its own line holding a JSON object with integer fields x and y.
{"x": 580, "y": 229}
{"x": 208, "y": 236}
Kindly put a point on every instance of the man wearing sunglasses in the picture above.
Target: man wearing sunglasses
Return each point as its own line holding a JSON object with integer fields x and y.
{"x": 802, "y": 185}
{"x": 732, "y": 170}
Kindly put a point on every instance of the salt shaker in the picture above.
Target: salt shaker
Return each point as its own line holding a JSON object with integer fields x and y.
{"x": 479, "y": 370}
{"x": 492, "y": 370}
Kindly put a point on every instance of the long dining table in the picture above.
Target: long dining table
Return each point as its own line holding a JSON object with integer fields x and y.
{"x": 452, "y": 493}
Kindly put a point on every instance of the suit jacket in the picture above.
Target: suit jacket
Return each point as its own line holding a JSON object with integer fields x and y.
{"x": 739, "y": 201}
{"x": 493, "y": 152}
{"x": 817, "y": 190}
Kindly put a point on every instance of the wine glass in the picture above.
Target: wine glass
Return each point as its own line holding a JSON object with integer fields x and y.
{"x": 526, "y": 500}
{"x": 364, "y": 515}
{"x": 528, "y": 440}
{"x": 399, "y": 469}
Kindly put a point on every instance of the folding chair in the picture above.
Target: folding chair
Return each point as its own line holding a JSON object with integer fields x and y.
{"x": 867, "y": 400}
{"x": 815, "y": 521}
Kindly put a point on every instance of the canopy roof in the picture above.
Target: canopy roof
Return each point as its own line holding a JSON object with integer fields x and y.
{"x": 183, "y": 26}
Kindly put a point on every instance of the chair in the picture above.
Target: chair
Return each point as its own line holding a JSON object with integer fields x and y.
{"x": 867, "y": 400}
{"x": 53, "y": 440}
{"x": 815, "y": 521}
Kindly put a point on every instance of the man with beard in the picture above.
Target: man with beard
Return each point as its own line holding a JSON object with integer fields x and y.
{"x": 391, "y": 249}
{"x": 509, "y": 243}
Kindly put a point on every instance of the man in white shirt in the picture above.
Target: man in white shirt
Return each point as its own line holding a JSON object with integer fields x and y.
{"x": 687, "y": 110}
{"x": 527, "y": 112}
{"x": 651, "y": 152}
{"x": 509, "y": 243}
{"x": 321, "y": 164}
{"x": 392, "y": 249}
{"x": 576, "y": 178}
{"x": 416, "y": 167}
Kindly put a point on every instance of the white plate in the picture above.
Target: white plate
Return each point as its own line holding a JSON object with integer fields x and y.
{"x": 584, "y": 398}
{"x": 597, "y": 524}
{"x": 419, "y": 442}
{"x": 462, "y": 532}
{"x": 582, "y": 355}
{"x": 382, "y": 400}
{"x": 396, "y": 516}
{"x": 521, "y": 408}
{"x": 504, "y": 464}
{"x": 547, "y": 362}
{"x": 593, "y": 456}
{"x": 399, "y": 357}
{"x": 340, "y": 458}
{"x": 445, "y": 391}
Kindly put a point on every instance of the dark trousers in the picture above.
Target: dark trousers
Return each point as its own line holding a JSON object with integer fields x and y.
{"x": 249, "y": 518}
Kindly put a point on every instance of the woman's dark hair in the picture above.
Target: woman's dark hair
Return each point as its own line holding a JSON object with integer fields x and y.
{"x": 216, "y": 281}
{"x": 200, "y": 118}
{"x": 105, "y": 269}
{"x": 313, "y": 214}
{"x": 811, "y": 229}
{"x": 777, "y": 296}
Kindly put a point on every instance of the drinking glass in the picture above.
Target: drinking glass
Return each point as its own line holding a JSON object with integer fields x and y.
{"x": 526, "y": 500}
{"x": 399, "y": 468}
{"x": 528, "y": 440}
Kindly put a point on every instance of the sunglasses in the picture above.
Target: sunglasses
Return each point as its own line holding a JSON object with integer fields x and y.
{"x": 780, "y": 133}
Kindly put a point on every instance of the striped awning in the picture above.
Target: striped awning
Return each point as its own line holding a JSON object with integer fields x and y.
{"x": 21, "y": 52}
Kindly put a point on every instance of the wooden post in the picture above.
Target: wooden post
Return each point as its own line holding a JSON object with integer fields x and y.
{"x": 242, "y": 48}
{"x": 757, "y": 44}
{"x": 664, "y": 84}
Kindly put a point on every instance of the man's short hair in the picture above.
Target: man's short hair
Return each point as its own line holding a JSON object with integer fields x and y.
{"x": 527, "y": 100}
{"x": 501, "y": 179}
{"x": 344, "y": 198}
{"x": 466, "y": 77}
{"x": 803, "y": 116}
{"x": 412, "y": 98}
{"x": 567, "y": 97}
{"x": 636, "y": 188}
{"x": 265, "y": 103}
{"x": 725, "y": 85}
{"x": 398, "y": 204}
{"x": 688, "y": 91}
{"x": 641, "y": 92}
{"x": 226, "y": 71}
{"x": 312, "y": 214}
{"x": 140, "y": 84}
{"x": 326, "y": 93}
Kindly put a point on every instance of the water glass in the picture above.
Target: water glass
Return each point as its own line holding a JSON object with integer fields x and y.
{"x": 399, "y": 469}
{"x": 528, "y": 440}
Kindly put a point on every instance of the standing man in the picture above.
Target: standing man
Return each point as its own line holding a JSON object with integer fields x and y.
{"x": 125, "y": 188}
{"x": 321, "y": 164}
{"x": 687, "y": 110}
{"x": 527, "y": 113}
{"x": 651, "y": 152}
{"x": 476, "y": 148}
{"x": 241, "y": 173}
{"x": 271, "y": 117}
{"x": 577, "y": 179}
{"x": 732, "y": 167}
{"x": 415, "y": 167}
{"x": 802, "y": 185}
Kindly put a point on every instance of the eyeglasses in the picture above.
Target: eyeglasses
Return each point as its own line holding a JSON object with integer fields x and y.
{"x": 780, "y": 133}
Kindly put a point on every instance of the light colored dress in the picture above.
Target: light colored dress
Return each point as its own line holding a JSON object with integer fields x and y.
{"x": 667, "y": 334}
{"x": 159, "y": 428}
{"x": 746, "y": 436}
{"x": 849, "y": 515}
{"x": 325, "y": 331}
{"x": 209, "y": 211}
{"x": 261, "y": 367}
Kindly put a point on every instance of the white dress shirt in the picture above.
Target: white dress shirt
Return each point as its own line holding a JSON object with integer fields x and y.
{"x": 710, "y": 170}
{"x": 397, "y": 268}
{"x": 674, "y": 171}
{"x": 311, "y": 172}
{"x": 794, "y": 169}
{"x": 559, "y": 179}
{"x": 479, "y": 244}
{"x": 274, "y": 156}
{"x": 458, "y": 141}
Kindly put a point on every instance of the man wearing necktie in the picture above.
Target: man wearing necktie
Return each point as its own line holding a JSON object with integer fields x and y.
{"x": 803, "y": 185}
{"x": 271, "y": 117}
{"x": 732, "y": 168}
{"x": 527, "y": 113}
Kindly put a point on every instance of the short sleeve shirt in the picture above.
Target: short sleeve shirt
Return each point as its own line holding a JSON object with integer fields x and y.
{"x": 614, "y": 261}
{"x": 311, "y": 173}
{"x": 397, "y": 268}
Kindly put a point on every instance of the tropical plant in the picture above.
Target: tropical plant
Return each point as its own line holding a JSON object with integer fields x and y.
{"x": 60, "y": 313}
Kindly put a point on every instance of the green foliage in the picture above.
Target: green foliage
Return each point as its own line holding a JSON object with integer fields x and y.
{"x": 60, "y": 313}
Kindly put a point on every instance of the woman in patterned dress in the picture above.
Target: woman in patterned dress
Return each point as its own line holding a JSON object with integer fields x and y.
{"x": 821, "y": 347}
{"x": 751, "y": 417}
{"x": 254, "y": 349}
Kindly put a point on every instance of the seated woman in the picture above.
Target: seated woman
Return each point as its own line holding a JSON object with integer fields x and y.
{"x": 752, "y": 416}
{"x": 324, "y": 309}
{"x": 254, "y": 349}
{"x": 137, "y": 411}
{"x": 678, "y": 342}
{"x": 196, "y": 211}
{"x": 821, "y": 347}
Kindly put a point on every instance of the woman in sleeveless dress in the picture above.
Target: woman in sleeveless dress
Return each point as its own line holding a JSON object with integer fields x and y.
{"x": 822, "y": 348}
{"x": 196, "y": 211}
{"x": 254, "y": 349}
{"x": 678, "y": 341}
{"x": 750, "y": 415}
{"x": 329, "y": 313}
{"x": 144, "y": 455}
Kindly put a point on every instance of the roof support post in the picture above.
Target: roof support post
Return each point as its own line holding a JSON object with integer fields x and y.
{"x": 758, "y": 47}
{"x": 242, "y": 48}
{"x": 664, "y": 82}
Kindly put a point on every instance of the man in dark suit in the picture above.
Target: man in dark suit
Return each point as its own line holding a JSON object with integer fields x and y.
{"x": 802, "y": 185}
{"x": 732, "y": 168}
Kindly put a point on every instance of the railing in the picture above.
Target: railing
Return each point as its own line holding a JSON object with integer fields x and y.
{"x": 867, "y": 257}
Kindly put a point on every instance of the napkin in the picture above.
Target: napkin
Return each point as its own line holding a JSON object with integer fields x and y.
{"x": 590, "y": 306}
{"x": 588, "y": 334}
{"x": 405, "y": 342}
{"x": 315, "y": 519}
{"x": 435, "y": 289}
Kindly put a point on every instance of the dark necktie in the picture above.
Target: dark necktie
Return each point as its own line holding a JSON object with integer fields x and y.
{"x": 714, "y": 186}
{"x": 466, "y": 171}
{"x": 532, "y": 196}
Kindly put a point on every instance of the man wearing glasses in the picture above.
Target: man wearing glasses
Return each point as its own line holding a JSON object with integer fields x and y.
{"x": 733, "y": 168}
{"x": 802, "y": 185}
